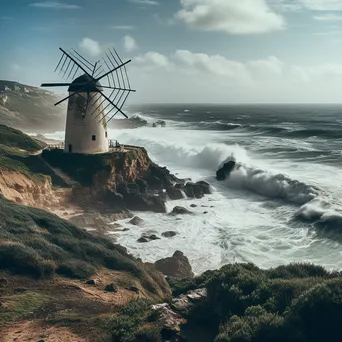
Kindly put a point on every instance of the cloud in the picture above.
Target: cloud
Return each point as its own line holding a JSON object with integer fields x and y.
{"x": 54, "y": 5}
{"x": 322, "y": 5}
{"x": 231, "y": 16}
{"x": 130, "y": 44}
{"x": 90, "y": 46}
{"x": 328, "y": 17}
{"x": 123, "y": 27}
{"x": 144, "y": 2}
{"x": 152, "y": 60}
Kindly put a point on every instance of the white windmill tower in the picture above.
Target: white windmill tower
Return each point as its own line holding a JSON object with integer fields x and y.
{"x": 87, "y": 115}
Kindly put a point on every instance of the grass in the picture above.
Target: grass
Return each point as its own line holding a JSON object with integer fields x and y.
{"x": 14, "y": 138}
{"x": 15, "y": 155}
{"x": 39, "y": 244}
{"x": 18, "y": 306}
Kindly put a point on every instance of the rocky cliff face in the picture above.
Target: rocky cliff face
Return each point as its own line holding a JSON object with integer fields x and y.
{"x": 20, "y": 188}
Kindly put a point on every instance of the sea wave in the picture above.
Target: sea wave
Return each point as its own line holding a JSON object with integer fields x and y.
{"x": 275, "y": 186}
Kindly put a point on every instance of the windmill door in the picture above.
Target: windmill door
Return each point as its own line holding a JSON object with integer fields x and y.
{"x": 70, "y": 148}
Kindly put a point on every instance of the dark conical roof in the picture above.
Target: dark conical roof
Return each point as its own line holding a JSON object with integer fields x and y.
{"x": 84, "y": 84}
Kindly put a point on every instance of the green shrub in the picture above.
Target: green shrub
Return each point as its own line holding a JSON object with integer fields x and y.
{"x": 22, "y": 259}
{"x": 75, "y": 269}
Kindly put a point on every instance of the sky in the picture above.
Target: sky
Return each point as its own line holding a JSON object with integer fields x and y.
{"x": 185, "y": 51}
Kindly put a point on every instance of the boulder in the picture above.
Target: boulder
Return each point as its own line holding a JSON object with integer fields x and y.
{"x": 136, "y": 221}
{"x": 141, "y": 202}
{"x": 193, "y": 206}
{"x": 91, "y": 282}
{"x": 111, "y": 288}
{"x": 225, "y": 170}
{"x": 180, "y": 211}
{"x": 205, "y": 187}
{"x": 169, "y": 234}
{"x": 197, "y": 190}
{"x": 143, "y": 239}
{"x": 169, "y": 321}
{"x": 154, "y": 237}
{"x": 177, "y": 266}
{"x": 174, "y": 194}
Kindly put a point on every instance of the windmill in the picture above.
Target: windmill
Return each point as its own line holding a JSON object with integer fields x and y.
{"x": 89, "y": 108}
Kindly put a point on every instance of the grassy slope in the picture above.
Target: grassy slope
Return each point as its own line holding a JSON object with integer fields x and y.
{"x": 16, "y": 150}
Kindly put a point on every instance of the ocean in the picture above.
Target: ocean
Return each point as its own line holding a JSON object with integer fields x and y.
{"x": 282, "y": 205}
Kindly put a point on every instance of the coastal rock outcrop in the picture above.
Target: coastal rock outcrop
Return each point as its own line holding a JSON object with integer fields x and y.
{"x": 180, "y": 211}
{"x": 224, "y": 171}
{"x": 177, "y": 266}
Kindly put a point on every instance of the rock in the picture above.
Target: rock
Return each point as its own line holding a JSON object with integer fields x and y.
{"x": 180, "y": 211}
{"x": 136, "y": 221}
{"x": 205, "y": 187}
{"x": 125, "y": 230}
{"x": 111, "y": 288}
{"x": 142, "y": 184}
{"x": 169, "y": 321}
{"x": 225, "y": 170}
{"x": 197, "y": 190}
{"x": 177, "y": 266}
{"x": 134, "y": 289}
{"x": 141, "y": 202}
{"x": 183, "y": 304}
{"x": 133, "y": 188}
{"x": 154, "y": 237}
{"x": 169, "y": 234}
{"x": 65, "y": 213}
{"x": 143, "y": 239}
{"x": 91, "y": 282}
{"x": 205, "y": 212}
{"x": 193, "y": 206}
{"x": 174, "y": 194}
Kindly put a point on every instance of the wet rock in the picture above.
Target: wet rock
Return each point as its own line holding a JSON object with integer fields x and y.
{"x": 91, "y": 282}
{"x": 205, "y": 212}
{"x": 143, "y": 239}
{"x": 205, "y": 187}
{"x": 154, "y": 237}
{"x": 197, "y": 190}
{"x": 193, "y": 206}
{"x": 125, "y": 230}
{"x": 141, "y": 202}
{"x": 177, "y": 266}
{"x": 225, "y": 170}
{"x": 136, "y": 221}
{"x": 180, "y": 211}
{"x": 169, "y": 234}
{"x": 174, "y": 194}
{"x": 111, "y": 288}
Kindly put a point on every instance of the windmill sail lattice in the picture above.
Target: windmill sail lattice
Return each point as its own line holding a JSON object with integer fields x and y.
{"x": 111, "y": 71}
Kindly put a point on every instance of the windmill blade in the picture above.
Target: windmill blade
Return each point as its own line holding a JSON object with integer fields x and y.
{"x": 111, "y": 71}
{"x": 120, "y": 109}
{"x": 83, "y": 58}
{"x": 48, "y": 85}
{"x": 124, "y": 89}
{"x": 78, "y": 64}
{"x": 113, "y": 104}
{"x": 109, "y": 104}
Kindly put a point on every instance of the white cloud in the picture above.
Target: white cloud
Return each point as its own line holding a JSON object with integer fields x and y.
{"x": 130, "y": 44}
{"x": 90, "y": 46}
{"x": 322, "y": 5}
{"x": 144, "y": 2}
{"x": 231, "y": 16}
{"x": 54, "y": 5}
{"x": 152, "y": 60}
{"x": 123, "y": 27}
{"x": 328, "y": 17}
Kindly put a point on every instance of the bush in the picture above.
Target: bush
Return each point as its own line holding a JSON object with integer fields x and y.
{"x": 130, "y": 324}
{"x": 76, "y": 269}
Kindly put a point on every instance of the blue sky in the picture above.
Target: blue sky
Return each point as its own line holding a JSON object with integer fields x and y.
{"x": 241, "y": 51}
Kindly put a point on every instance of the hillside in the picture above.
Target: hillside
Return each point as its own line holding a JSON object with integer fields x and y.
{"x": 30, "y": 108}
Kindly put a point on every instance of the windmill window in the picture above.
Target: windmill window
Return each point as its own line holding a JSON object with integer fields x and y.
{"x": 93, "y": 137}
{"x": 106, "y": 134}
